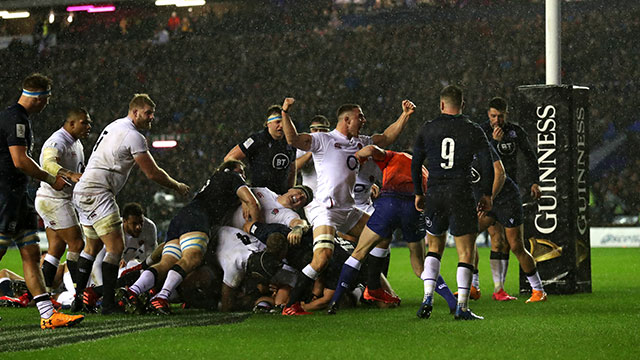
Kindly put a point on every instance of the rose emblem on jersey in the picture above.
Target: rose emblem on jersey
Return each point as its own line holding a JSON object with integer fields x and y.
{"x": 275, "y": 211}
{"x": 280, "y": 161}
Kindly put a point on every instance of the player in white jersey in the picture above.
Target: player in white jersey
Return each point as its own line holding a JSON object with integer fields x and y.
{"x": 140, "y": 235}
{"x": 62, "y": 154}
{"x": 304, "y": 162}
{"x": 366, "y": 188}
{"x": 119, "y": 147}
{"x": 279, "y": 209}
{"x": 240, "y": 254}
{"x": 336, "y": 166}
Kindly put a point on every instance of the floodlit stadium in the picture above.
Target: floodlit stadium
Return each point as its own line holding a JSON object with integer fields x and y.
{"x": 213, "y": 69}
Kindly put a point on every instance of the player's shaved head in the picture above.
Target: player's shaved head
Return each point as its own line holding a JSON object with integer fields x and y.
{"x": 77, "y": 114}
{"x": 452, "y": 96}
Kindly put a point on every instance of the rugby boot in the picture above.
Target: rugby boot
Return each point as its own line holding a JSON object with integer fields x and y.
{"x": 502, "y": 295}
{"x": 474, "y": 293}
{"x": 295, "y": 310}
{"x": 90, "y": 300}
{"x": 59, "y": 319}
{"x": 129, "y": 301}
{"x": 466, "y": 315}
{"x": 537, "y": 296}
{"x": 160, "y": 306}
{"x": 19, "y": 286}
{"x": 56, "y": 304}
{"x": 332, "y": 309}
{"x": 8, "y": 301}
{"x": 380, "y": 295}
{"x": 424, "y": 312}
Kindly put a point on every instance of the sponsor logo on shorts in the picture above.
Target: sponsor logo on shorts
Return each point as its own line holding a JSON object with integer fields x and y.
{"x": 428, "y": 221}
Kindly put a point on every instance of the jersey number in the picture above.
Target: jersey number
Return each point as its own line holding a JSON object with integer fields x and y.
{"x": 99, "y": 140}
{"x": 447, "y": 151}
{"x": 244, "y": 238}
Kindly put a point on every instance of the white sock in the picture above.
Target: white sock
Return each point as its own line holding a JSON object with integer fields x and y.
{"x": 505, "y": 267}
{"x": 496, "y": 274}
{"x": 45, "y": 306}
{"x": 173, "y": 280}
{"x": 145, "y": 282}
{"x": 353, "y": 262}
{"x": 463, "y": 277}
{"x": 534, "y": 280}
{"x": 310, "y": 272}
{"x": 475, "y": 280}
{"x": 430, "y": 275}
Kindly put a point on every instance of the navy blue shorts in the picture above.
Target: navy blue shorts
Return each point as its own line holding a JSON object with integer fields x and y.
{"x": 16, "y": 212}
{"x": 509, "y": 212}
{"x": 188, "y": 219}
{"x": 450, "y": 208}
{"x": 392, "y": 212}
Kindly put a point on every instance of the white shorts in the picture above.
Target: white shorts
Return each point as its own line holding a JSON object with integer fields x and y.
{"x": 92, "y": 208}
{"x": 56, "y": 213}
{"x": 342, "y": 220}
{"x": 366, "y": 208}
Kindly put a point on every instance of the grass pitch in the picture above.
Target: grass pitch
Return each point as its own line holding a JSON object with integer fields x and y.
{"x": 603, "y": 324}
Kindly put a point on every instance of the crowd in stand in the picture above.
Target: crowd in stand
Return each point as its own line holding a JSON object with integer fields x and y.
{"x": 214, "y": 81}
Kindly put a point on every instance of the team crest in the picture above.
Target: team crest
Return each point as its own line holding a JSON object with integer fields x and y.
{"x": 275, "y": 211}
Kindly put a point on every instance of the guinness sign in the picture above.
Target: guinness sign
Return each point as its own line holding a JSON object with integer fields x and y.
{"x": 557, "y": 225}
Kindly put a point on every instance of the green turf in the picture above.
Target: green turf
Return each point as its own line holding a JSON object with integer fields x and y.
{"x": 603, "y": 324}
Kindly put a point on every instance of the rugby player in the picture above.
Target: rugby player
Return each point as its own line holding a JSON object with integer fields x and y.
{"x": 448, "y": 144}
{"x": 18, "y": 219}
{"x": 507, "y": 211}
{"x": 509, "y": 140}
{"x": 394, "y": 209}
{"x": 188, "y": 233}
{"x": 119, "y": 148}
{"x": 336, "y": 167}
{"x": 271, "y": 161}
{"x": 63, "y": 154}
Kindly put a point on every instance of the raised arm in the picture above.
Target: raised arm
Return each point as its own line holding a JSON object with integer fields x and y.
{"x": 24, "y": 163}
{"x": 392, "y": 132}
{"x": 156, "y": 174}
{"x": 371, "y": 151}
{"x": 299, "y": 141}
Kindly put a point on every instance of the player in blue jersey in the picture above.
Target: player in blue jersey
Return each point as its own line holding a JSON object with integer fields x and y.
{"x": 507, "y": 212}
{"x": 448, "y": 144}
{"x": 509, "y": 140}
{"x": 18, "y": 218}
{"x": 188, "y": 233}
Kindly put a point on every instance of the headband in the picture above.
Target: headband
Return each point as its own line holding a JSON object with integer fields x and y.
{"x": 28, "y": 93}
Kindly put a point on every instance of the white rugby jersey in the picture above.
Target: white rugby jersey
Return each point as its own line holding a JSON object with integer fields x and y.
{"x": 308, "y": 172}
{"x": 233, "y": 250}
{"x": 336, "y": 166}
{"x": 369, "y": 173}
{"x": 112, "y": 158}
{"x": 141, "y": 247}
{"x": 272, "y": 210}
{"x": 71, "y": 157}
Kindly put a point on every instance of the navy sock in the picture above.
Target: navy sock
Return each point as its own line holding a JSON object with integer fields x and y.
{"x": 109, "y": 279}
{"x": 347, "y": 276}
{"x": 84, "y": 273}
{"x": 49, "y": 271}
{"x": 376, "y": 265}
{"x": 443, "y": 290}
